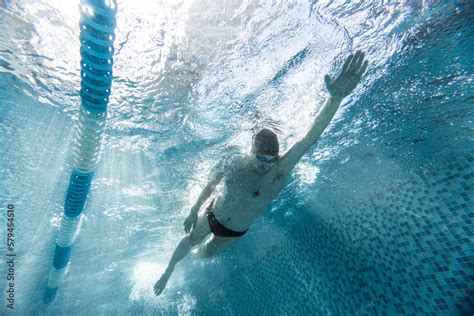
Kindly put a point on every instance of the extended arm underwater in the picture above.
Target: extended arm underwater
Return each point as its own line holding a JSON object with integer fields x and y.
{"x": 339, "y": 88}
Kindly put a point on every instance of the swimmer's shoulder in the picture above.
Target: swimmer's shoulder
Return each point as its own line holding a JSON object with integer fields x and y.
{"x": 233, "y": 156}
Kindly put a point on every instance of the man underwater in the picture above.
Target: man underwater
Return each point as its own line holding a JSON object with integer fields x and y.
{"x": 251, "y": 182}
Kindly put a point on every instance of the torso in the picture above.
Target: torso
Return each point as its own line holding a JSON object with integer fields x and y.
{"x": 246, "y": 194}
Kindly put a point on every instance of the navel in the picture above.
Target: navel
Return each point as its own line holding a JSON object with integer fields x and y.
{"x": 256, "y": 193}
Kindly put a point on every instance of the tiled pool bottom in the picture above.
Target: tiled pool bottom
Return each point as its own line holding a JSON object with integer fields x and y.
{"x": 409, "y": 250}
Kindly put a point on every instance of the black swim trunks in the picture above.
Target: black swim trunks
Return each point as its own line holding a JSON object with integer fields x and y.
{"x": 217, "y": 228}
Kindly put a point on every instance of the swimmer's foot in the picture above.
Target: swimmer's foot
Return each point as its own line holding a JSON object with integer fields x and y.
{"x": 161, "y": 284}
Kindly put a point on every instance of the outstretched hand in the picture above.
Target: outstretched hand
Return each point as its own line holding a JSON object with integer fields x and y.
{"x": 350, "y": 76}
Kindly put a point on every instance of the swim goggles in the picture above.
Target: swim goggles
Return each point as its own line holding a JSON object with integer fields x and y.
{"x": 267, "y": 159}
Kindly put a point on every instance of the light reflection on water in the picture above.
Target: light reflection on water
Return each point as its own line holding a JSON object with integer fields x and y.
{"x": 179, "y": 62}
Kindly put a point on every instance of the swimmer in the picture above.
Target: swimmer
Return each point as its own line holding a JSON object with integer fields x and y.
{"x": 252, "y": 181}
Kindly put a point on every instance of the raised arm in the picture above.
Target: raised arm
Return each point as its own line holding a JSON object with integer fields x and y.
{"x": 339, "y": 88}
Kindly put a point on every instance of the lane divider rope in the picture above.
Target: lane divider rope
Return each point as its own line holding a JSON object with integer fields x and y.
{"x": 97, "y": 25}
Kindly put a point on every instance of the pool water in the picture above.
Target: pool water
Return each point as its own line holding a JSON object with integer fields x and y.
{"x": 377, "y": 218}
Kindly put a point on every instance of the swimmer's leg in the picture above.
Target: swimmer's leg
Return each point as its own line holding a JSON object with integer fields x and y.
{"x": 215, "y": 245}
{"x": 200, "y": 231}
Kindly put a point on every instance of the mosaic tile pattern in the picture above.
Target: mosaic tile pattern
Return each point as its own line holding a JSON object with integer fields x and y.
{"x": 409, "y": 250}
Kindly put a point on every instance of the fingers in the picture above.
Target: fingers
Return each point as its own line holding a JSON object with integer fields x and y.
{"x": 327, "y": 80}
{"x": 364, "y": 68}
{"x": 347, "y": 63}
{"x": 359, "y": 61}
{"x": 357, "y": 64}
{"x": 355, "y": 60}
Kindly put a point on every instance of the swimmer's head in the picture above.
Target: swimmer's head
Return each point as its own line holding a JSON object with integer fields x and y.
{"x": 265, "y": 143}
